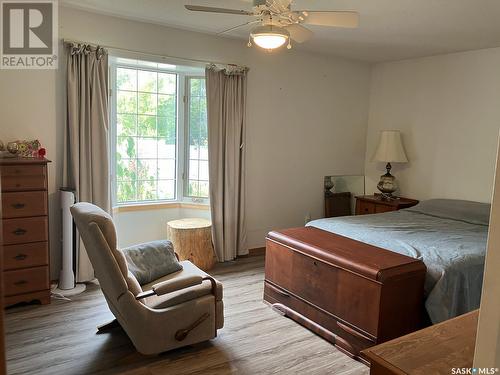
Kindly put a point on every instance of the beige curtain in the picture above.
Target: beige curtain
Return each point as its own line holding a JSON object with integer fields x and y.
{"x": 86, "y": 157}
{"x": 226, "y": 100}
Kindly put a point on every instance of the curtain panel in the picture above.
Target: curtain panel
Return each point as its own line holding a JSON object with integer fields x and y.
{"x": 86, "y": 166}
{"x": 226, "y": 103}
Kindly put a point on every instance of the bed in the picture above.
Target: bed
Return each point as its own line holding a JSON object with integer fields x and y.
{"x": 449, "y": 236}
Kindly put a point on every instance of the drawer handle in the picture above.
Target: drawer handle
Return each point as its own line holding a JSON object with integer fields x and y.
{"x": 21, "y": 282}
{"x": 19, "y": 232}
{"x": 18, "y": 185}
{"x": 18, "y": 206}
{"x": 20, "y": 257}
{"x": 352, "y": 332}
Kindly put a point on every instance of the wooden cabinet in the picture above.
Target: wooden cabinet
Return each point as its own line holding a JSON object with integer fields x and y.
{"x": 433, "y": 350}
{"x": 351, "y": 293}
{"x": 25, "y": 230}
{"x": 376, "y": 204}
{"x": 338, "y": 204}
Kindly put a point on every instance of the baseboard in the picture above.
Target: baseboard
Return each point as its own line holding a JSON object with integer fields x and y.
{"x": 257, "y": 251}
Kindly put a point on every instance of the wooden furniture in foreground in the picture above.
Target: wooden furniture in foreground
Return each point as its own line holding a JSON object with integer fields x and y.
{"x": 353, "y": 294}
{"x": 376, "y": 204}
{"x": 3, "y": 367}
{"x": 25, "y": 230}
{"x": 338, "y": 204}
{"x": 192, "y": 240}
{"x": 433, "y": 350}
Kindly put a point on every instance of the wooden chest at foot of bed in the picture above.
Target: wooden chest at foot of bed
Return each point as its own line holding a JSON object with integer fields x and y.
{"x": 353, "y": 294}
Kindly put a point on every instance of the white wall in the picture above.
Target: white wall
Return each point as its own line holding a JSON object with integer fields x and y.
{"x": 448, "y": 110}
{"x": 307, "y": 117}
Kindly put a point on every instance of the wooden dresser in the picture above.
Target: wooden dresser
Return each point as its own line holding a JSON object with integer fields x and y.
{"x": 338, "y": 204}
{"x": 351, "y": 293}
{"x": 25, "y": 224}
{"x": 375, "y": 204}
{"x": 433, "y": 350}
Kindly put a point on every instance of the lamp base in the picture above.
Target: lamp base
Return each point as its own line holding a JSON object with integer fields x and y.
{"x": 387, "y": 184}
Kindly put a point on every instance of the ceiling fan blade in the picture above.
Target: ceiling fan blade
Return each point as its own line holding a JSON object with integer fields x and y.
{"x": 199, "y": 8}
{"x": 334, "y": 18}
{"x": 237, "y": 27}
{"x": 299, "y": 33}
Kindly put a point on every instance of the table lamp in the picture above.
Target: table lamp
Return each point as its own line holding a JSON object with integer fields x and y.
{"x": 390, "y": 150}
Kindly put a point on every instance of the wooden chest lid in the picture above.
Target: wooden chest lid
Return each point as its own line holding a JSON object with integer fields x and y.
{"x": 358, "y": 257}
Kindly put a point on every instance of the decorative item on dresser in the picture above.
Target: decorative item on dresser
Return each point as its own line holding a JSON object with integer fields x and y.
{"x": 352, "y": 294}
{"x": 338, "y": 204}
{"x": 390, "y": 150}
{"x": 433, "y": 350}
{"x": 25, "y": 230}
{"x": 377, "y": 203}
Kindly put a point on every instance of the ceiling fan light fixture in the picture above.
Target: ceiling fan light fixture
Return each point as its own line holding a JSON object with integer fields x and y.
{"x": 269, "y": 36}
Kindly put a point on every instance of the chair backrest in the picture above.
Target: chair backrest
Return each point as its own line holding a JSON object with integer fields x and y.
{"x": 99, "y": 237}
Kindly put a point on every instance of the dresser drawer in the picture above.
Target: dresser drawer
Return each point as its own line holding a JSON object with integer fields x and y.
{"x": 364, "y": 208}
{"x": 26, "y": 280}
{"x": 22, "y": 183}
{"x": 23, "y": 170}
{"x": 17, "y": 231}
{"x": 349, "y": 296}
{"x": 24, "y": 204}
{"x": 25, "y": 255}
{"x": 380, "y": 208}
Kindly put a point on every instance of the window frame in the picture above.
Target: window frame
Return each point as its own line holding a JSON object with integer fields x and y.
{"x": 182, "y": 132}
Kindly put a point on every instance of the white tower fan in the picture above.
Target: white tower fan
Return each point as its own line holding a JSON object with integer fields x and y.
{"x": 67, "y": 285}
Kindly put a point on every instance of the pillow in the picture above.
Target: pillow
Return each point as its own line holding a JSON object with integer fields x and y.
{"x": 152, "y": 260}
{"x": 467, "y": 211}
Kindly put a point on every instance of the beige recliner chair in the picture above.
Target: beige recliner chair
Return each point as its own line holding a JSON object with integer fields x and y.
{"x": 180, "y": 309}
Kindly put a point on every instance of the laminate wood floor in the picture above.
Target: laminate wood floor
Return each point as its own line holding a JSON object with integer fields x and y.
{"x": 60, "y": 338}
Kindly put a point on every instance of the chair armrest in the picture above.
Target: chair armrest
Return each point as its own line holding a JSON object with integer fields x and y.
{"x": 172, "y": 285}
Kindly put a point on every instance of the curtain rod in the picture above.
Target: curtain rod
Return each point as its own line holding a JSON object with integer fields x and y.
{"x": 153, "y": 54}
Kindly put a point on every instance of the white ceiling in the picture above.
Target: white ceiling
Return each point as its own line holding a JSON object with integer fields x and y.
{"x": 389, "y": 29}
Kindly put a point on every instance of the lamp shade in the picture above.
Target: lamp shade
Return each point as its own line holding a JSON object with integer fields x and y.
{"x": 390, "y": 148}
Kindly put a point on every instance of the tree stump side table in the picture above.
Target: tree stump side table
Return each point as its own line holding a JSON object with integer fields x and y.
{"x": 192, "y": 240}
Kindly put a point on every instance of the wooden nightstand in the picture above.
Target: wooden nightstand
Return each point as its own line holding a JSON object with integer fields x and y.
{"x": 375, "y": 204}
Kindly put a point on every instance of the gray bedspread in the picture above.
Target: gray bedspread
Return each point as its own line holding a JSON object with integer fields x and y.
{"x": 448, "y": 236}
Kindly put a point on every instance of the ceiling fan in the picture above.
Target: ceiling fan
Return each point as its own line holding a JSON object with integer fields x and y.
{"x": 280, "y": 24}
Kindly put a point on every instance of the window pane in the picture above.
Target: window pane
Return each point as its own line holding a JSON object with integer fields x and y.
{"x": 146, "y": 148}
{"x": 193, "y": 188}
{"x": 166, "y": 105}
{"x": 126, "y": 191}
{"x": 193, "y": 170}
{"x": 203, "y": 170}
{"x": 198, "y": 139}
{"x": 126, "y": 147}
{"x": 204, "y": 152}
{"x": 126, "y": 79}
{"x": 166, "y": 189}
{"x": 195, "y": 86}
{"x": 146, "y": 190}
{"x": 146, "y": 133}
{"x": 146, "y": 126}
{"x": 126, "y": 102}
{"x": 126, "y": 125}
{"x": 167, "y": 128}
{"x": 126, "y": 169}
{"x": 147, "y": 169}
{"x": 167, "y": 83}
{"x": 147, "y": 104}
{"x": 147, "y": 81}
{"x": 166, "y": 169}
{"x": 203, "y": 189}
{"x": 166, "y": 150}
